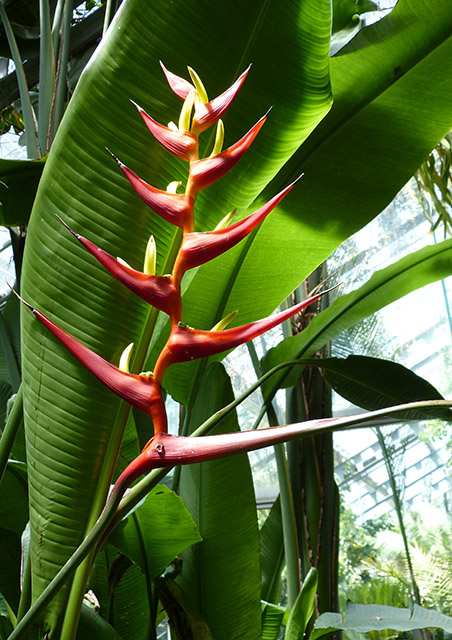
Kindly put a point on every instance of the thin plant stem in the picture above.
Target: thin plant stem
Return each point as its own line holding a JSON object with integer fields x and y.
{"x": 12, "y": 426}
{"x": 287, "y": 504}
{"x": 61, "y": 75}
{"x": 399, "y": 512}
{"x": 46, "y": 75}
{"x": 33, "y": 150}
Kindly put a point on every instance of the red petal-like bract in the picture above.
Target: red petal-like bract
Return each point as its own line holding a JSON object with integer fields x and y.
{"x": 207, "y": 114}
{"x": 159, "y": 291}
{"x": 140, "y": 391}
{"x": 165, "y": 450}
{"x": 206, "y": 171}
{"x": 180, "y": 86}
{"x": 180, "y": 143}
{"x": 199, "y": 248}
{"x": 173, "y": 207}
{"x": 186, "y": 344}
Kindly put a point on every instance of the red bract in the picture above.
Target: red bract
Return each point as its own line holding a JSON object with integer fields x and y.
{"x": 173, "y": 207}
{"x": 180, "y": 86}
{"x": 165, "y": 450}
{"x": 159, "y": 291}
{"x": 140, "y": 391}
{"x": 185, "y": 344}
{"x": 199, "y": 248}
{"x": 207, "y": 114}
{"x": 205, "y": 172}
{"x": 180, "y": 143}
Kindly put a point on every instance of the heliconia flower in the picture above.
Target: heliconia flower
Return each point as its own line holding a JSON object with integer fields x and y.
{"x": 206, "y": 171}
{"x": 185, "y": 344}
{"x": 165, "y": 450}
{"x": 207, "y": 114}
{"x": 180, "y": 86}
{"x": 200, "y": 247}
{"x": 180, "y": 143}
{"x": 176, "y": 208}
{"x": 159, "y": 291}
{"x": 141, "y": 391}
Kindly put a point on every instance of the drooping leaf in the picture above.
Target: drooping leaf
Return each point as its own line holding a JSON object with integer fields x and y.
{"x": 373, "y": 383}
{"x": 376, "y": 617}
{"x": 411, "y": 272}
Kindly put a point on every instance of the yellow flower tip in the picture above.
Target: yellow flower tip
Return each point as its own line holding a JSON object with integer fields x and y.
{"x": 124, "y": 360}
{"x": 173, "y": 126}
{"x": 185, "y": 114}
{"x": 225, "y": 322}
{"x": 173, "y": 186}
{"x": 123, "y": 262}
{"x": 150, "y": 257}
{"x": 219, "y": 138}
{"x": 147, "y": 373}
{"x": 226, "y": 221}
{"x": 200, "y": 89}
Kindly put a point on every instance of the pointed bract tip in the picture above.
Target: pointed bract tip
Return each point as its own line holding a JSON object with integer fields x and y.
{"x": 20, "y": 298}
{"x": 115, "y": 158}
{"x": 76, "y": 235}
{"x": 135, "y": 105}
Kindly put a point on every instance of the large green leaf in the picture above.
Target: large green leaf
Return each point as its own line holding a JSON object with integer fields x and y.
{"x": 411, "y": 272}
{"x": 220, "y": 577}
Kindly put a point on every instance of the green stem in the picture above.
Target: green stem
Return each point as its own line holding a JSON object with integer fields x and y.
{"x": 61, "y": 76}
{"x": 110, "y": 9}
{"x": 289, "y": 526}
{"x": 10, "y": 355}
{"x": 25, "y": 596}
{"x": 10, "y": 431}
{"x": 287, "y": 504}
{"x": 56, "y": 25}
{"x": 46, "y": 75}
{"x": 33, "y": 150}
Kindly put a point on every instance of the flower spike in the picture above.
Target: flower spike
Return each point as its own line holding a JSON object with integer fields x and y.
{"x": 205, "y": 172}
{"x": 140, "y": 391}
{"x": 179, "y": 86}
{"x": 207, "y": 114}
{"x": 199, "y": 248}
{"x": 173, "y": 207}
{"x": 185, "y": 344}
{"x": 159, "y": 291}
{"x": 180, "y": 143}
